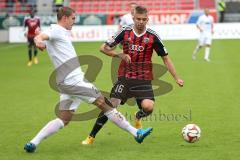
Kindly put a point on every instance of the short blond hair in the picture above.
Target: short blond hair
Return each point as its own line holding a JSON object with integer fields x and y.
{"x": 141, "y": 10}
{"x": 64, "y": 11}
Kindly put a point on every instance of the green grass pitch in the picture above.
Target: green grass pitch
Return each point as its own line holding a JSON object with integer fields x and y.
{"x": 210, "y": 98}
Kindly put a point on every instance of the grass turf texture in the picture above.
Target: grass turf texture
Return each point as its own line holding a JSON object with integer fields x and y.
{"x": 209, "y": 99}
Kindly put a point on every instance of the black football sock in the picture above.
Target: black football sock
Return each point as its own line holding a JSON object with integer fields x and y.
{"x": 30, "y": 54}
{"x": 140, "y": 114}
{"x": 101, "y": 120}
{"x": 35, "y": 51}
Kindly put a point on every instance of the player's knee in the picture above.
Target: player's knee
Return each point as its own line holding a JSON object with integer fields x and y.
{"x": 147, "y": 106}
{"x": 66, "y": 122}
{"x": 148, "y": 111}
{"x": 65, "y": 116}
{"x": 100, "y": 102}
{"x": 115, "y": 102}
{"x": 103, "y": 103}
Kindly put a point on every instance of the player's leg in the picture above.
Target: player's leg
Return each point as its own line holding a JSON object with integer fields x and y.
{"x": 118, "y": 91}
{"x": 35, "y": 59}
{"x": 118, "y": 119}
{"x": 29, "y": 52}
{"x": 145, "y": 109}
{"x": 49, "y": 129}
{"x": 101, "y": 120}
{"x": 66, "y": 109}
{"x": 198, "y": 47}
{"x": 143, "y": 92}
{"x": 207, "y": 48}
{"x": 207, "y": 53}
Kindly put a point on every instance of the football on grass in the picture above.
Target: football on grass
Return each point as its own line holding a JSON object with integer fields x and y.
{"x": 191, "y": 133}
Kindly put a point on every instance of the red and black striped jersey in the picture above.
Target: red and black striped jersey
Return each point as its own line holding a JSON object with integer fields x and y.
{"x": 32, "y": 24}
{"x": 140, "y": 49}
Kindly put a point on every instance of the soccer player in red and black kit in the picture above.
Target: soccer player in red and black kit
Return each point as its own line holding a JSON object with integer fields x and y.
{"x": 32, "y": 23}
{"x": 135, "y": 70}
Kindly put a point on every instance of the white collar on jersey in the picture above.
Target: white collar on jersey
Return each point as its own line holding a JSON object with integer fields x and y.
{"x": 139, "y": 35}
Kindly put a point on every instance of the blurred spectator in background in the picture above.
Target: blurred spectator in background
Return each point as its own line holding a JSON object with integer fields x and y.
{"x": 221, "y": 9}
{"x": 33, "y": 4}
{"x": 127, "y": 19}
{"x": 58, "y": 4}
{"x": 9, "y": 6}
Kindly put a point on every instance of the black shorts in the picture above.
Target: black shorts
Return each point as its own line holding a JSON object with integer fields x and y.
{"x": 31, "y": 42}
{"x": 124, "y": 89}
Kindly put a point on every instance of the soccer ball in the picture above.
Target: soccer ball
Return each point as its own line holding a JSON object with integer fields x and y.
{"x": 191, "y": 133}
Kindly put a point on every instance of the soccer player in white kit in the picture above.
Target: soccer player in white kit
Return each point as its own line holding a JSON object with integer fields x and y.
{"x": 205, "y": 26}
{"x": 127, "y": 19}
{"x": 73, "y": 87}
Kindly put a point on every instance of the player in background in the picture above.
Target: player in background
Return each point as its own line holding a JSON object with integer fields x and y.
{"x": 74, "y": 88}
{"x": 32, "y": 27}
{"x": 135, "y": 70}
{"x": 127, "y": 19}
{"x": 205, "y": 26}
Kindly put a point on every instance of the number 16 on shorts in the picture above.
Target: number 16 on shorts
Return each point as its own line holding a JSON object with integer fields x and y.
{"x": 119, "y": 88}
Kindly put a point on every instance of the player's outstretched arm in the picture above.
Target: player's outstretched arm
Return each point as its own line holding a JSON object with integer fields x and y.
{"x": 108, "y": 50}
{"x": 212, "y": 26}
{"x": 168, "y": 63}
{"x": 39, "y": 40}
{"x": 199, "y": 28}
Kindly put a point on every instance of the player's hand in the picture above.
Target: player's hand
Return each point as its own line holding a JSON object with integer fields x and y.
{"x": 180, "y": 82}
{"x": 125, "y": 57}
{"x": 39, "y": 44}
{"x": 37, "y": 31}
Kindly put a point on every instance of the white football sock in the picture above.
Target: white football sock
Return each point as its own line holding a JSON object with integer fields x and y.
{"x": 196, "y": 50}
{"x": 117, "y": 118}
{"x": 49, "y": 129}
{"x": 207, "y": 52}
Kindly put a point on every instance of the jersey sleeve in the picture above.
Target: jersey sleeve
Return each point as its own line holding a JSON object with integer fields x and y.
{"x": 116, "y": 39}
{"x": 159, "y": 47}
{"x": 51, "y": 33}
{"x": 199, "y": 21}
{"x": 25, "y": 22}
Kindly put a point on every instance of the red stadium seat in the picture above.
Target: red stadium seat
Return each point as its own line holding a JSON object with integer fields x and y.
{"x": 121, "y": 6}
{"x": 206, "y": 4}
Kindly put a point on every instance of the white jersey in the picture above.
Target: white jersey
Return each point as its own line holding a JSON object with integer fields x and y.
{"x": 126, "y": 20}
{"x": 61, "y": 50}
{"x": 205, "y": 23}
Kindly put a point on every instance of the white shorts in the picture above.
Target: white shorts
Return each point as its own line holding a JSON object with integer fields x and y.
{"x": 205, "y": 39}
{"x": 76, "y": 90}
